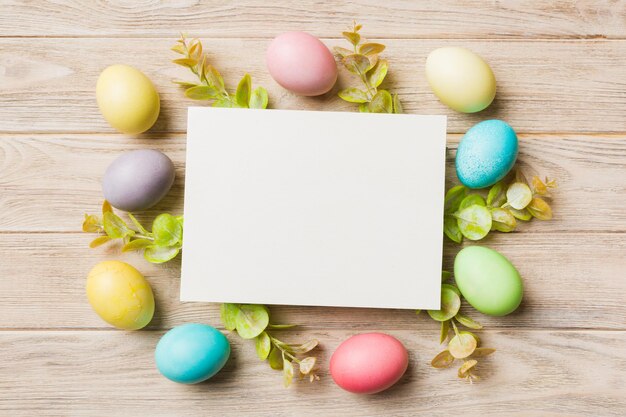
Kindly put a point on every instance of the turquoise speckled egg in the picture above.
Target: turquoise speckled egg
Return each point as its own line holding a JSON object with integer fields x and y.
{"x": 191, "y": 353}
{"x": 488, "y": 281}
{"x": 486, "y": 154}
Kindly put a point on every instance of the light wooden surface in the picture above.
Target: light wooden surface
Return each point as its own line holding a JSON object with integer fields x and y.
{"x": 561, "y": 84}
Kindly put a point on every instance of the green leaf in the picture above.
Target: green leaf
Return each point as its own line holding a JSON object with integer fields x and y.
{"x": 364, "y": 108}
{"x": 167, "y": 230}
{"x": 214, "y": 78}
{"x": 287, "y": 372}
{"x": 275, "y": 359}
{"x": 228, "y": 314}
{"x": 450, "y": 305}
{"x": 281, "y": 326}
{"x": 186, "y": 62}
{"x": 251, "y": 320}
{"x": 100, "y": 240}
{"x": 179, "y": 49}
{"x": 353, "y": 95}
{"x": 482, "y": 352}
{"x": 397, "y": 106}
{"x": 371, "y": 48}
{"x": 342, "y": 51}
{"x": 462, "y": 345}
{"x": 356, "y": 63}
{"x": 136, "y": 244}
{"x": 106, "y": 206}
{"x": 201, "y": 92}
{"x": 376, "y": 76}
{"x": 244, "y": 90}
{"x": 305, "y": 347}
{"x": 464, "y": 370}
{"x": 453, "y": 198}
{"x": 445, "y": 275}
{"x": 502, "y": 220}
{"x": 539, "y": 209}
{"x": 445, "y": 329}
{"x": 518, "y": 195}
{"x": 92, "y": 224}
{"x": 352, "y": 37}
{"x": 184, "y": 83}
{"x": 195, "y": 50}
{"x": 159, "y": 254}
{"x": 452, "y": 287}
{"x": 523, "y": 215}
{"x": 474, "y": 221}
{"x": 114, "y": 226}
{"x": 263, "y": 345}
{"x": 496, "y": 196}
{"x": 442, "y": 360}
{"x": 138, "y": 225}
{"x": 470, "y": 200}
{"x": 451, "y": 228}
{"x": 223, "y": 102}
{"x": 468, "y": 322}
{"x": 259, "y": 99}
{"x": 381, "y": 102}
{"x": 306, "y": 365}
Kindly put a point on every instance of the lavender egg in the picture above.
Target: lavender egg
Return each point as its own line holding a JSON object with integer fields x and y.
{"x": 137, "y": 180}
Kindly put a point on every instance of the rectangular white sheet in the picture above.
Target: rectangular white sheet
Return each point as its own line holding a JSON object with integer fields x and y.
{"x": 313, "y": 208}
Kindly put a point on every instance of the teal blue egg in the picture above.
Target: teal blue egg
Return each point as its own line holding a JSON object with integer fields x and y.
{"x": 191, "y": 353}
{"x": 486, "y": 154}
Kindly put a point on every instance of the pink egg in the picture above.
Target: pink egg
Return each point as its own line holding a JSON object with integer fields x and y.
{"x": 301, "y": 63}
{"x": 368, "y": 363}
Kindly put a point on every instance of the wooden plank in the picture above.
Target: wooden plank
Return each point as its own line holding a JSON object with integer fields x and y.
{"x": 544, "y": 86}
{"x": 545, "y": 373}
{"x": 34, "y": 184}
{"x": 44, "y": 285}
{"x": 253, "y": 18}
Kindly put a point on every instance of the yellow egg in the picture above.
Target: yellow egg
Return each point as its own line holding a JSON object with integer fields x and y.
{"x": 127, "y": 99}
{"x": 120, "y": 295}
{"x": 461, "y": 79}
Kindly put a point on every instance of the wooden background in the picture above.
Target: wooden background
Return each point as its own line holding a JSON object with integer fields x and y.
{"x": 561, "y": 71}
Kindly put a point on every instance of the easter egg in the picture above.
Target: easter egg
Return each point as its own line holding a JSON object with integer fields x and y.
{"x": 137, "y": 180}
{"x": 486, "y": 153}
{"x": 368, "y": 363}
{"x": 301, "y": 63}
{"x": 127, "y": 99}
{"x": 488, "y": 281}
{"x": 191, "y": 353}
{"x": 461, "y": 79}
{"x": 120, "y": 295}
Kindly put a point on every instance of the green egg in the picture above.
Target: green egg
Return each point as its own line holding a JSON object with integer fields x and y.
{"x": 488, "y": 281}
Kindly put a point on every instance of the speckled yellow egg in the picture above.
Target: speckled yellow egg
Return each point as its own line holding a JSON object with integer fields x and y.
{"x": 461, "y": 79}
{"x": 120, "y": 295}
{"x": 127, "y": 99}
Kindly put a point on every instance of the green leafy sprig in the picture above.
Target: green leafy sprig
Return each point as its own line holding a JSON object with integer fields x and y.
{"x": 160, "y": 245}
{"x": 252, "y": 321}
{"x": 364, "y": 62}
{"x": 474, "y": 215}
{"x": 210, "y": 84}
{"x": 463, "y": 345}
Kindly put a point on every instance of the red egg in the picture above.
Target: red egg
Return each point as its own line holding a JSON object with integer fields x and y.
{"x": 301, "y": 63}
{"x": 368, "y": 363}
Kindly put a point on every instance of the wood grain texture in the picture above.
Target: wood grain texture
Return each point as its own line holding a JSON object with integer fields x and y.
{"x": 561, "y": 84}
{"x": 588, "y": 169}
{"x": 258, "y": 18}
{"x": 543, "y": 86}
{"x": 536, "y": 373}
{"x": 571, "y": 281}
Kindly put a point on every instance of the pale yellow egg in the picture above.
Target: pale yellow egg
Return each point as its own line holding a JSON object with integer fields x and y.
{"x": 120, "y": 295}
{"x": 127, "y": 99}
{"x": 461, "y": 79}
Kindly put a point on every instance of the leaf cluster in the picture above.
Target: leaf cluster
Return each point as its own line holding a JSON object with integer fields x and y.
{"x": 210, "y": 84}
{"x": 474, "y": 215}
{"x": 363, "y": 61}
{"x": 160, "y": 245}
{"x": 252, "y": 321}
{"x": 463, "y": 345}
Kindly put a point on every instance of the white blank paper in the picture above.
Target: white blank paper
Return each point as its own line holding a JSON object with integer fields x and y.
{"x": 313, "y": 208}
